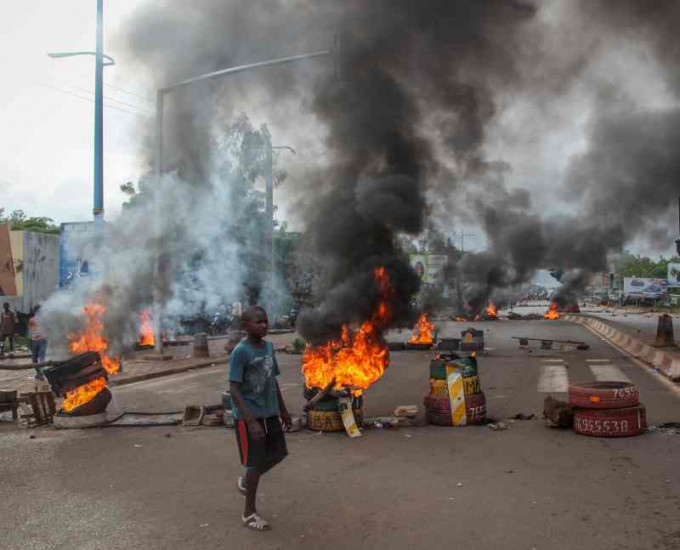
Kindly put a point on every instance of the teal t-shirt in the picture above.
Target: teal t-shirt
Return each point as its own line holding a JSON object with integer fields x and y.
{"x": 256, "y": 369}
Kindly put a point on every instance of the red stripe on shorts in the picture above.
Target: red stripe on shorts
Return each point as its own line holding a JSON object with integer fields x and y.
{"x": 244, "y": 441}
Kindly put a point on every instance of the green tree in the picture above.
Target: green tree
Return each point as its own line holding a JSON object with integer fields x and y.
{"x": 18, "y": 221}
{"x": 629, "y": 265}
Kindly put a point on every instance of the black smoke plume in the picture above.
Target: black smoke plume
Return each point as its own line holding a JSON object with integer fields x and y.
{"x": 408, "y": 115}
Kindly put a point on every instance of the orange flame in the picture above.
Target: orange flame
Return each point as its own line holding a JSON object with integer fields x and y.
{"x": 423, "y": 332}
{"x": 83, "y": 394}
{"x": 358, "y": 358}
{"x": 552, "y": 312}
{"x": 92, "y": 339}
{"x": 491, "y": 310}
{"x": 146, "y": 337}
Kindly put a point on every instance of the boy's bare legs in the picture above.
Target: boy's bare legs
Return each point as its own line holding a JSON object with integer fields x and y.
{"x": 251, "y": 482}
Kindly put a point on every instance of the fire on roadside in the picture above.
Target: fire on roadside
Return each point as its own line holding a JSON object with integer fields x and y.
{"x": 91, "y": 338}
{"x": 359, "y": 357}
{"x": 146, "y": 337}
{"x": 423, "y": 332}
{"x": 552, "y": 312}
{"x": 83, "y": 394}
{"x": 491, "y": 310}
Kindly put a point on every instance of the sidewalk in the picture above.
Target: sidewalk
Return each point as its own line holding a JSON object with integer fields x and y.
{"x": 636, "y": 342}
{"x": 136, "y": 368}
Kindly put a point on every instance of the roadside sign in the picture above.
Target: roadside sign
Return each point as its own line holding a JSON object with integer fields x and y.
{"x": 644, "y": 287}
{"x": 428, "y": 266}
{"x": 76, "y": 250}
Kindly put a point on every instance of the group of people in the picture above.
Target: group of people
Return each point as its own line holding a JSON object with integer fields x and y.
{"x": 37, "y": 340}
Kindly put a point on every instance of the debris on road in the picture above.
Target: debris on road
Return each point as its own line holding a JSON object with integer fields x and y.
{"x": 547, "y": 343}
{"x": 558, "y": 414}
{"x": 497, "y": 426}
{"x": 668, "y": 428}
{"x": 522, "y": 416}
{"x": 193, "y": 415}
{"x": 408, "y": 411}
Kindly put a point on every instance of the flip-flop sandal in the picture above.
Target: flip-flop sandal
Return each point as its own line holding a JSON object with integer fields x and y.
{"x": 241, "y": 486}
{"x": 255, "y": 522}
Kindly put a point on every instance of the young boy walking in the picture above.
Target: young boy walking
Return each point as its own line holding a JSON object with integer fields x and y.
{"x": 258, "y": 410}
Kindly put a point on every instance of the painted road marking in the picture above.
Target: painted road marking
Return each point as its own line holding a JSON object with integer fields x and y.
{"x": 554, "y": 379}
{"x": 609, "y": 372}
{"x": 552, "y": 360}
{"x": 598, "y": 360}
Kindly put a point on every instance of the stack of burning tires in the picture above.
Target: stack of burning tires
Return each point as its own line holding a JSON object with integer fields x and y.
{"x": 607, "y": 409}
{"x": 456, "y": 397}
{"x": 325, "y": 414}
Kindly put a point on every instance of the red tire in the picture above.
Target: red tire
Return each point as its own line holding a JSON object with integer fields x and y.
{"x": 438, "y": 409}
{"x": 603, "y": 395}
{"x": 611, "y": 422}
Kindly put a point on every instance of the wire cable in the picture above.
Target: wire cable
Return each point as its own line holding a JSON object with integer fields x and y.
{"x": 91, "y": 100}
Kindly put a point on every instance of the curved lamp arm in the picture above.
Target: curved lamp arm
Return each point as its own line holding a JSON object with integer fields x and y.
{"x": 57, "y": 55}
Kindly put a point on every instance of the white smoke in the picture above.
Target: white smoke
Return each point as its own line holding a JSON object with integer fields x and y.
{"x": 191, "y": 239}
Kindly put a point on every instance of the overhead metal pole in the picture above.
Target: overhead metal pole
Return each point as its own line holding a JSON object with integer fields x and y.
{"x": 98, "y": 210}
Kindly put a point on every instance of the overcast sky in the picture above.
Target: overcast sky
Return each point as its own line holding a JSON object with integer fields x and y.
{"x": 47, "y": 110}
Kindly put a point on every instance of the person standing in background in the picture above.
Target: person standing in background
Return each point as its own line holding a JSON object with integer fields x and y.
{"x": 8, "y": 327}
{"x": 38, "y": 342}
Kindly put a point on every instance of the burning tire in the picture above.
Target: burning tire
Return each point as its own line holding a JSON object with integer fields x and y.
{"x": 95, "y": 406}
{"x": 330, "y": 421}
{"x": 625, "y": 422}
{"x": 438, "y": 409}
{"x": 603, "y": 395}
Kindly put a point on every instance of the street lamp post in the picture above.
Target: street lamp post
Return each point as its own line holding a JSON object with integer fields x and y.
{"x": 158, "y": 164}
{"x": 98, "y": 207}
{"x": 269, "y": 207}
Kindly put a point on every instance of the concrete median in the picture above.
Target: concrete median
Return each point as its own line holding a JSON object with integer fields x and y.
{"x": 665, "y": 362}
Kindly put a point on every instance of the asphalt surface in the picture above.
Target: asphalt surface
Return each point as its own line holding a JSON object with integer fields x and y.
{"x": 423, "y": 487}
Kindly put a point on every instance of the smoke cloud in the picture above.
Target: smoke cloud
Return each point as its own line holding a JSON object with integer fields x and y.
{"x": 424, "y": 114}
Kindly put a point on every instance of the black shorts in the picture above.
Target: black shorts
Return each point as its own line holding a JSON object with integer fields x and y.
{"x": 265, "y": 452}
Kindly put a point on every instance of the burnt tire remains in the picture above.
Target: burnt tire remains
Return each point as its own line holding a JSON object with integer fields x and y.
{"x": 603, "y": 395}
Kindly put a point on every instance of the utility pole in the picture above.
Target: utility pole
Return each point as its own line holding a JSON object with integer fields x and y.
{"x": 677, "y": 242}
{"x": 269, "y": 209}
{"x": 98, "y": 210}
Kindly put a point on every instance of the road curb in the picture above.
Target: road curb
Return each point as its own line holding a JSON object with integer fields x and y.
{"x": 164, "y": 372}
{"x": 663, "y": 362}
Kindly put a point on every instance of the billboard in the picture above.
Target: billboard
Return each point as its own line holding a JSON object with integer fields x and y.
{"x": 428, "y": 266}
{"x": 76, "y": 249}
{"x": 673, "y": 274}
{"x": 644, "y": 288}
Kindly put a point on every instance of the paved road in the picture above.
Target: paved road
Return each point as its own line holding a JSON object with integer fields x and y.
{"x": 423, "y": 487}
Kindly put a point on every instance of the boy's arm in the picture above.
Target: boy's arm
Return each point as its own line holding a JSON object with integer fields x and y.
{"x": 254, "y": 427}
{"x": 236, "y": 368}
{"x": 285, "y": 415}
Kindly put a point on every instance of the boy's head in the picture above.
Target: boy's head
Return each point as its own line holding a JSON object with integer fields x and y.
{"x": 6, "y": 306}
{"x": 255, "y": 322}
